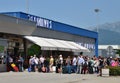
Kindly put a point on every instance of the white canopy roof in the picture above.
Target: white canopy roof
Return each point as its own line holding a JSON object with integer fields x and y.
{"x": 55, "y": 44}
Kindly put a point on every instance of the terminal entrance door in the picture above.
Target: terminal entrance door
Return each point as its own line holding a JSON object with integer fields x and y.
{"x": 3, "y": 54}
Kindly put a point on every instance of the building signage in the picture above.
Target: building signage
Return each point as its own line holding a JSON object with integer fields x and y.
{"x": 86, "y": 45}
{"x": 41, "y": 21}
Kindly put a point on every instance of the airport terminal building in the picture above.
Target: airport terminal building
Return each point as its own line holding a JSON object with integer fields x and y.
{"x": 19, "y": 30}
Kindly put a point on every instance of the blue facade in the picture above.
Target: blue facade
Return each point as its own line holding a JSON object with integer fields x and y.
{"x": 53, "y": 25}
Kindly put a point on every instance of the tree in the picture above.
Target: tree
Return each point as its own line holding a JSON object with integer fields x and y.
{"x": 34, "y": 49}
{"x": 118, "y": 52}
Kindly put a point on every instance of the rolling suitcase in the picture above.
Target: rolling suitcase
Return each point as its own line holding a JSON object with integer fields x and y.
{"x": 64, "y": 70}
{"x": 14, "y": 67}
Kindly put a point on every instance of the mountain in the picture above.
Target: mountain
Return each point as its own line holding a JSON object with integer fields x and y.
{"x": 109, "y": 33}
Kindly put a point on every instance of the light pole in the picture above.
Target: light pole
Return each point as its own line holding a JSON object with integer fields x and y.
{"x": 97, "y": 11}
{"x": 27, "y": 6}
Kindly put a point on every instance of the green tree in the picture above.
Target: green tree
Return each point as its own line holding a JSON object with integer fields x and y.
{"x": 118, "y": 52}
{"x": 34, "y": 49}
{"x": 1, "y": 48}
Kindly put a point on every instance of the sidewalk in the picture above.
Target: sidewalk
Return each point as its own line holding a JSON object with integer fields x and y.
{"x": 35, "y": 77}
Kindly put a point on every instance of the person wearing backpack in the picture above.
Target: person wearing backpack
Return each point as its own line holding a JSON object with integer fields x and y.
{"x": 85, "y": 66}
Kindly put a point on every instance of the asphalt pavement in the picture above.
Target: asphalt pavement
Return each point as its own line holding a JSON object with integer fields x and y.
{"x": 36, "y": 77}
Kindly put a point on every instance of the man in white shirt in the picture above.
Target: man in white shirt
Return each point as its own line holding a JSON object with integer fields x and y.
{"x": 80, "y": 61}
{"x": 74, "y": 63}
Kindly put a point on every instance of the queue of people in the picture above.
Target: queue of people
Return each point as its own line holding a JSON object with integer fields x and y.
{"x": 40, "y": 64}
{"x": 71, "y": 64}
{"x": 85, "y": 65}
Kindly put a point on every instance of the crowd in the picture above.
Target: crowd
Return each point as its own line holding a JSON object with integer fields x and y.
{"x": 72, "y": 64}
{"x": 40, "y": 64}
{"x": 76, "y": 64}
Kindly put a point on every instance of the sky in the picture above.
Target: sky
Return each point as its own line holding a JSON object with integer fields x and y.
{"x": 78, "y": 13}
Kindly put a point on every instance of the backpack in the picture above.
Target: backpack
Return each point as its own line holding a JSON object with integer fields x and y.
{"x": 85, "y": 64}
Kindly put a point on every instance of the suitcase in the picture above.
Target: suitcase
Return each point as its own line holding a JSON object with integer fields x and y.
{"x": 14, "y": 67}
{"x": 56, "y": 70}
{"x": 64, "y": 70}
{"x": 29, "y": 69}
{"x": 90, "y": 70}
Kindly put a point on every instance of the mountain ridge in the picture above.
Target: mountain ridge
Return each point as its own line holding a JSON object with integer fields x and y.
{"x": 108, "y": 33}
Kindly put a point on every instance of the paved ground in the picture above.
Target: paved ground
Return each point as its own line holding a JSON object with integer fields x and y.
{"x": 35, "y": 77}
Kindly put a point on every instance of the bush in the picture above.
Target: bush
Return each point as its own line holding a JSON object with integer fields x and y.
{"x": 114, "y": 71}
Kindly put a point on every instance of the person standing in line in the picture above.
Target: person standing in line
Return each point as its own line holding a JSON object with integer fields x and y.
{"x": 10, "y": 61}
{"x": 42, "y": 59}
{"x": 85, "y": 66}
{"x": 36, "y": 60}
{"x": 90, "y": 65}
{"x": 20, "y": 63}
{"x": 60, "y": 61}
{"x": 96, "y": 64}
{"x": 32, "y": 64}
{"x": 80, "y": 61}
{"x": 68, "y": 62}
{"x": 74, "y": 64}
{"x": 101, "y": 65}
{"x": 51, "y": 63}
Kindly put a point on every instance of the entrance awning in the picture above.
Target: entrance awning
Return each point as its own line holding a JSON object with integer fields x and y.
{"x": 55, "y": 44}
